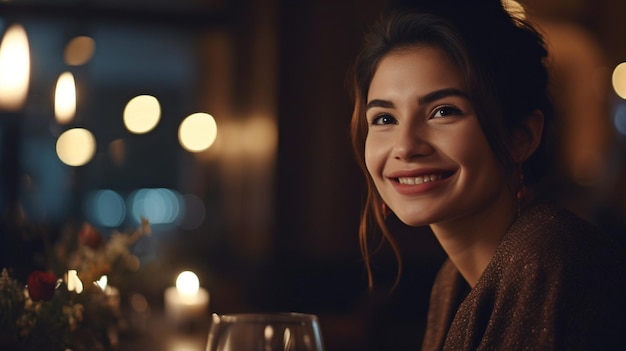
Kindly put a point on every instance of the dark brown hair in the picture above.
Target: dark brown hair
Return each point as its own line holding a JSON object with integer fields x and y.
{"x": 502, "y": 60}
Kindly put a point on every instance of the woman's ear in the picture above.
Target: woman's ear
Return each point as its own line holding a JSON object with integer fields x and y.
{"x": 527, "y": 137}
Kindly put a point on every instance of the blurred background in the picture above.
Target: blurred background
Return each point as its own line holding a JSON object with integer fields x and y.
{"x": 226, "y": 124}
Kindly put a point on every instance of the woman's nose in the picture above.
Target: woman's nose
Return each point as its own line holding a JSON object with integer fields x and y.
{"x": 412, "y": 142}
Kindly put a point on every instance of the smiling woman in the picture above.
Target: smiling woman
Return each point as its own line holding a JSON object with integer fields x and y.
{"x": 425, "y": 150}
{"x": 449, "y": 127}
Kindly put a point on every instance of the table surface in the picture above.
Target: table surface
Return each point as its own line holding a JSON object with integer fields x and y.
{"x": 155, "y": 332}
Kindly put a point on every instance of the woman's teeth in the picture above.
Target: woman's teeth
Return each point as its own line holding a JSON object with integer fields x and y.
{"x": 420, "y": 179}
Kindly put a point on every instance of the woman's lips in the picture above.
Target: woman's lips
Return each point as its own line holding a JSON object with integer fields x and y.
{"x": 416, "y": 182}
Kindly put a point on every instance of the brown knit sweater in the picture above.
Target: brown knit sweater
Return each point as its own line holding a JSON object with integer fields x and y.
{"x": 554, "y": 283}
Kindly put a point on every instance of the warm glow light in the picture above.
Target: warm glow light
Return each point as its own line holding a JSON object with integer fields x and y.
{"x": 619, "y": 80}
{"x": 142, "y": 114}
{"x": 65, "y": 98}
{"x": 117, "y": 151}
{"x": 187, "y": 283}
{"x": 268, "y": 332}
{"x": 73, "y": 282}
{"x": 514, "y": 8}
{"x": 14, "y": 68}
{"x": 79, "y": 50}
{"x": 259, "y": 136}
{"x": 288, "y": 341}
{"x": 76, "y": 147}
{"x": 139, "y": 303}
{"x": 197, "y": 132}
{"x": 102, "y": 282}
{"x": 179, "y": 344}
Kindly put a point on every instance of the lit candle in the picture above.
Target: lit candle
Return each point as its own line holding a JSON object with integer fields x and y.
{"x": 187, "y": 302}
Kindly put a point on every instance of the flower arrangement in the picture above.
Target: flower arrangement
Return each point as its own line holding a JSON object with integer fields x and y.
{"x": 70, "y": 306}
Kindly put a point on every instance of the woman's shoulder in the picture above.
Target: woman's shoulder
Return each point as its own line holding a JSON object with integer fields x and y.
{"x": 550, "y": 250}
{"x": 552, "y": 258}
{"x": 547, "y": 216}
{"x": 554, "y": 233}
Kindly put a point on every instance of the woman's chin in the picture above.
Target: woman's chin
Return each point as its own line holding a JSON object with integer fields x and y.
{"x": 412, "y": 220}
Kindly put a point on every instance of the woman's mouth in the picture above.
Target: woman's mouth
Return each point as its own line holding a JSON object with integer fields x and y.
{"x": 421, "y": 179}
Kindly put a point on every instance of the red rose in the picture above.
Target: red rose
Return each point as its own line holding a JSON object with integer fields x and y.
{"x": 90, "y": 236}
{"x": 41, "y": 285}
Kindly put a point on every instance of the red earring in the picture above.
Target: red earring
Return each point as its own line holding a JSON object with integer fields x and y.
{"x": 521, "y": 190}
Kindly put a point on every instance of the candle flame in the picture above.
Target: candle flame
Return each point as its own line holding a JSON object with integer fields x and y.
{"x": 187, "y": 283}
{"x": 65, "y": 98}
{"x": 14, "y": 68}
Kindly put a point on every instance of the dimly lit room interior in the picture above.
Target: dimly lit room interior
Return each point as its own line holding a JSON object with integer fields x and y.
{"x": 225, "y": 124}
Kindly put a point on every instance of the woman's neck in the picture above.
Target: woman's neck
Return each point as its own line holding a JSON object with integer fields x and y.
{"x": 471, "y": 241}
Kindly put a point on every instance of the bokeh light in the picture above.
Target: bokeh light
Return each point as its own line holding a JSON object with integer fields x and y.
{"x": 117, "y": 151}
{"x": 259, "y": 137}
{"x": 159, "y": 206}
{"x": 106, "y": 208}
{"x": 181, "y": 344}
{"x": 139, "y": 303}
{"x": 65, "y": 98}
{"x": 197, "y": 132}
{"x": 73, "y": 282}
{"x": 187, "y": 283}
{"x": 14, "y": 68}
{"x": 79, "y": 50}
{"x": 76, "y": 147}
{"x": 619, "y": 80}
{"x": 619, "y": 118}
{"x": 142, "y": 113}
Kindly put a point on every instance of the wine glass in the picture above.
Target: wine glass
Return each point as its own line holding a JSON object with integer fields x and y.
{"x": 265, "y": 332}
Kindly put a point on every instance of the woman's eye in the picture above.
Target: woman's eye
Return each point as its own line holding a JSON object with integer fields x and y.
{"x": 383, "y": 119}
{"x": 446, "y": 111}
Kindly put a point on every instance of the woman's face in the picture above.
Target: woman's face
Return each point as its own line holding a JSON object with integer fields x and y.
{"x": 425, "y": 149}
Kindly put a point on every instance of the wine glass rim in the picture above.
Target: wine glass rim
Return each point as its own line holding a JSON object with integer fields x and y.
{"x": 263, "y": 317}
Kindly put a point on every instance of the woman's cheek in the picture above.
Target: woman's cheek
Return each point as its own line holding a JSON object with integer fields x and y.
{"x": 374, "y": 156}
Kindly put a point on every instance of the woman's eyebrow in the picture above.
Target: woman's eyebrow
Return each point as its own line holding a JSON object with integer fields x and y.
{"x": 440, "y": 94}
{"x": 428, "y": 98}
{"x": 379, "y": 103}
